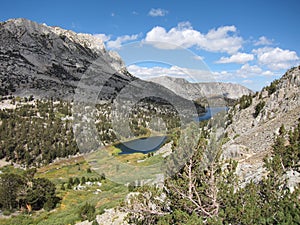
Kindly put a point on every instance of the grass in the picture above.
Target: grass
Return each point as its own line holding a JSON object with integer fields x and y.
{"x": 11, "y": 169}
{"x": 119, "y": 168}
{"x": 125, "y": 168}
{"x": 66, "y": 211}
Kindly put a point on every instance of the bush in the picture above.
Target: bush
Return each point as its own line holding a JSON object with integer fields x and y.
{"x": 95, "y": 222}
{"x": 258, "y": 108}
{"x": 87, "y": 212}
{"x": 245, "y": 101}
{"x": 272, "y": 88}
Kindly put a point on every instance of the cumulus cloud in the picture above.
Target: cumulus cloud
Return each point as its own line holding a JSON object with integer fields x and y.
{"x": 120, "y": 40}
{"x": 268, "y": 73}
{"x": 247, "y": 81}
{"x": 222, "y": 39}
{"x": 156, "y": 71}
{"x": 239, "y": 57}
{"x": 263, "y": 41}
{"x": 103, "y": 37}
{"x": 276, "y": 58}
{"x": 173, "y": 71}
{"x": 198, "y": 57}
{"x": 157, "y": 12}
{"x": 117, "y": 43}
{"x": 223, "y": 75}
{"x": 248, "y": 70}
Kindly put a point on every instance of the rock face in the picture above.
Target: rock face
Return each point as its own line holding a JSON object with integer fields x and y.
{"x": 44, "y": 61}
{"x": 253, "y": 131}
{"x": 195, "y": 91}
{"x": 47, "y": 61}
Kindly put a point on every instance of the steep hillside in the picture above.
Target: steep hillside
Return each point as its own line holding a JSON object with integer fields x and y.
{"x": 256, "y": 120}
{"x": 195, "y": 91}
{"x": 44, "y": 61}
{"x": 47, "y": 61}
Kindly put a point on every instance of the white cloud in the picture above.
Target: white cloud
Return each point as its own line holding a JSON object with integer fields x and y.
{"x": 117, "y": 43}
{"x": 263, "y": 41}
{"x": 156, "y": 71}
{"x": 222, "y": 39}
{"x": 240, "y": 58}
{"x": 120, "y": 40}
{"x": 223, "y": 75}
{"x": 276, "y": 58}
{"x": 198, "y": 57}
{"x": 248, "y": 70}
{"x": 247, "y": 81}
{"x": 268, "y": 73}
{"x": 174, "y": 71}
{"x": 157, "y": 12}
{"x": 103, "y": 37}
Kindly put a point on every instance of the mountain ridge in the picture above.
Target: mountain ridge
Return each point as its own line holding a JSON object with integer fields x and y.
{"x": 194, "y": 91}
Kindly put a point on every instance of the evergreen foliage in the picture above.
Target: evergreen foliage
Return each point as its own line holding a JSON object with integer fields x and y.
{"x": 272, "y": 87}
{"x": 23, "y": 191}
{"x": 245, "y": 101}
{"x": 258, "y": 108}
{"x": 35, "y": 134}
{"x": 207, "y": 191}
{"x": 87, "y": 212}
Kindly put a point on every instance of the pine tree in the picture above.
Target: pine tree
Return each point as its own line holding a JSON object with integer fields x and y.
{"x": 83, "y": 180}
{"x": 87, "y": 212}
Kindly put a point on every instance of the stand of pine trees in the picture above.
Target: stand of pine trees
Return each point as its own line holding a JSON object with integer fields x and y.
{"x": 23, "y": 192}
{"x": 34, "y": 134}
{"x": 207, "y": 191}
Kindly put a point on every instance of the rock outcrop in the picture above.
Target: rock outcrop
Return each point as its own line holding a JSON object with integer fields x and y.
{"x": 48, "y": 61}
{"x": 253, "y": 129}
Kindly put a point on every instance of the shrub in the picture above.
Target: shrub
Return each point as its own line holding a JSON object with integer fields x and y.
{"x": 245, "y": 101}
{"x": 258, "y": 108}
{"x": 95, "y": 222}
{"x": 87, "y": 212}
{"x": 272, "y": 88}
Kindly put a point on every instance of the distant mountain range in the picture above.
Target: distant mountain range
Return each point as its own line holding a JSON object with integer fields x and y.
{"x": 194, "y": 91}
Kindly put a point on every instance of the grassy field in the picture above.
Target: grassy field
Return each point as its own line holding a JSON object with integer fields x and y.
{"x": 66, "y": 212}
{"x": 119, "y": 168}
{"x": 125, "y": 168}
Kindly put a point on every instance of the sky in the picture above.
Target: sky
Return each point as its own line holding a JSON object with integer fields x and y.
{"x": 246, "y": 42}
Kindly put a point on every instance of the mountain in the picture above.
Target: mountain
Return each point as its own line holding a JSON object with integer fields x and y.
{"x": 50, "y": 62}
{"x": 47, "y": 61}
{"x": 255, "y": 122}
{"x": 195, "y": 91}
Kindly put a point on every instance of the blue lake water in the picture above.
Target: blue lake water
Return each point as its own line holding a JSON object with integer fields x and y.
{"x": 151, "y": 144}
{"x": 142, "y": 145}
{"x": 211, "y": 112}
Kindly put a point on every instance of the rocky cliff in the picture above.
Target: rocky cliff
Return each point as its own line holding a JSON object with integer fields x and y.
{"x": 47, "y": 61}
{"x": 255, "y": 125}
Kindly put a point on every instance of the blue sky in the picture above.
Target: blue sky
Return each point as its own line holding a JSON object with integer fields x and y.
{"x": 246, "y": 42}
